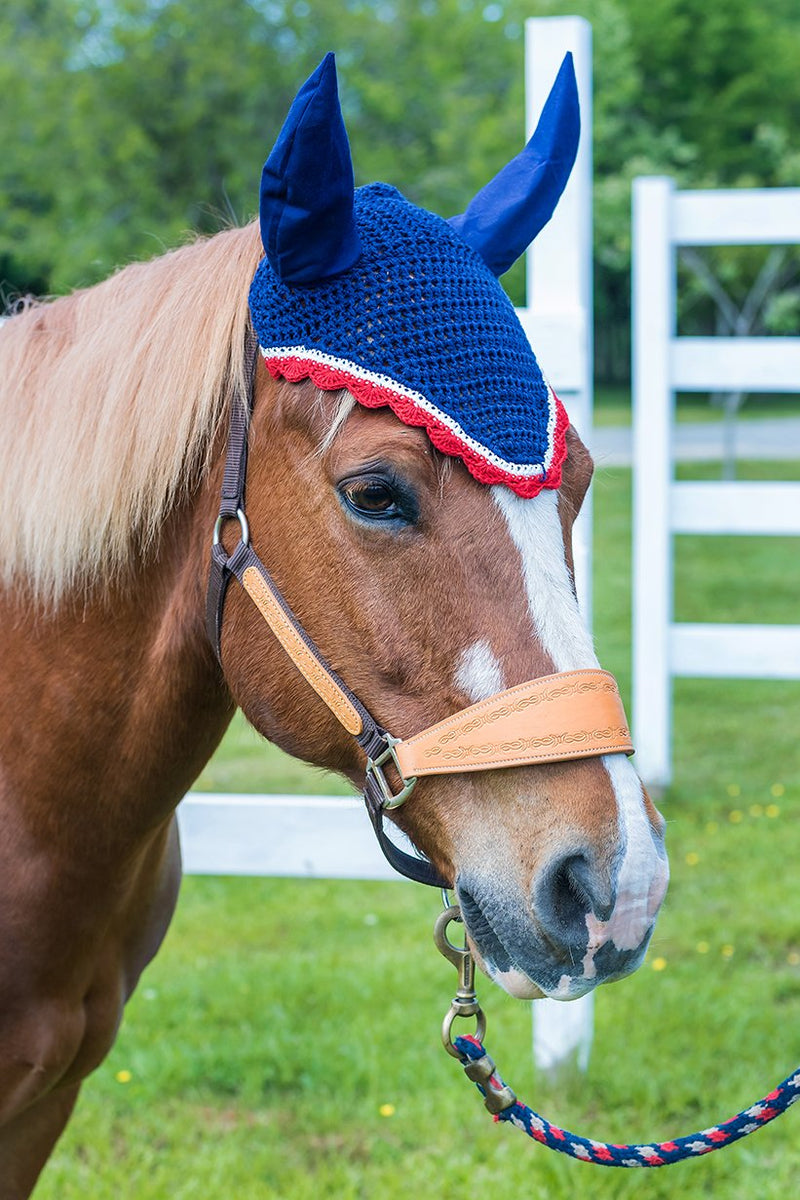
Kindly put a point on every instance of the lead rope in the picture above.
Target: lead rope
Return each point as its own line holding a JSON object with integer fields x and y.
{"x": 502, "y": 1102}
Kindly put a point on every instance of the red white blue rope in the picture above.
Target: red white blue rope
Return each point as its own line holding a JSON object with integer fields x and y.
{"x": 648, "y": 1154}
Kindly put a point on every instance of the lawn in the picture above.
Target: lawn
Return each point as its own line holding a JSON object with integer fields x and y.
{"x": 612, "y": 406}
{"x": 285, "y": 1046}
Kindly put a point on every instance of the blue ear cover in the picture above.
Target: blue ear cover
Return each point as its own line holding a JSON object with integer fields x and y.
{"x": 306, "y": 203}
{"x": 506, "y": 215}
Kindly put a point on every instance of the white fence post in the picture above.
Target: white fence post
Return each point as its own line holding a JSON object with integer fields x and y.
{"x": 653, "y": 309}
{"x": 664, "y": 363}
{"x": 558, "y": 320}
{"x": 558, "y": 315}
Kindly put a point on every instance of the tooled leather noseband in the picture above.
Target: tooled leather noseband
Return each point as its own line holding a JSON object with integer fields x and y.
{"x": 570, "y": 715}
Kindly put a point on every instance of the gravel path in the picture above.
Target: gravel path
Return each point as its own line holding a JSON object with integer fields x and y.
{"x": 768, "y": 438}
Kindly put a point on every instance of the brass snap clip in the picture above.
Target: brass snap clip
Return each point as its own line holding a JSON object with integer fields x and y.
{"x": 465, "y": 1002}
{"x": 497, "y": 1095}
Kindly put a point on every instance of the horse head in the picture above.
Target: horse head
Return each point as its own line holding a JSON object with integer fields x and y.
{"x": 412, "y": 486}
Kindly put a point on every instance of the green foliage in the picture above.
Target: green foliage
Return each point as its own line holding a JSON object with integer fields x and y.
{"x": 135, "y": 122}
{"x": 705, "y": 92}
{"x": 127, "y": 124}
{"x": 131, "y": 126}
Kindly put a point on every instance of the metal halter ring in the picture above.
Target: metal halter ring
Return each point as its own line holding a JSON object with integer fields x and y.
{"x": 243, "y": 527}
{"x": 375, "y": 769}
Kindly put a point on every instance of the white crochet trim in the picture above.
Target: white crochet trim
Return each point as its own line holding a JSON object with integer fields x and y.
{"x": 524, "y": 471}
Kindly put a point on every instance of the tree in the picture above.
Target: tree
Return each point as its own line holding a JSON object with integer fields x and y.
{"x": 129, "y": 123}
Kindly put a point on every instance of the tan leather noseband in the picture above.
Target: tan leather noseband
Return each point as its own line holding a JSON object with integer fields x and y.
{"x": 575, "y": 714}
{"x": 556, "y": 718}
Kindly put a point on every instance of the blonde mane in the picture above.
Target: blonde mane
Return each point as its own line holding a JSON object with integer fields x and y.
{"x": 110, "y": 401}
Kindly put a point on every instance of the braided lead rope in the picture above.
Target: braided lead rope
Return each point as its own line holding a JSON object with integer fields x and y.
{"x": 604, "y": 1154}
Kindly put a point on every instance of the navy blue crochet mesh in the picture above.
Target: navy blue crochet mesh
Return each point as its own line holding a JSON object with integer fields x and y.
{"x": 421, "y": 307}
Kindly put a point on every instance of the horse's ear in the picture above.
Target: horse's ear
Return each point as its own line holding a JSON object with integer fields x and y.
{"x": 506, "y": 215}
{"x": 306, "y": 208}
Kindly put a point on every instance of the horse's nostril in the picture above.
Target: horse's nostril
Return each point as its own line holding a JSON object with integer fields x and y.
{"x": 568, "y": 891}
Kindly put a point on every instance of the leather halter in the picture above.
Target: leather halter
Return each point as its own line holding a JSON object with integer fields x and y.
{"x": 570, "y": 715}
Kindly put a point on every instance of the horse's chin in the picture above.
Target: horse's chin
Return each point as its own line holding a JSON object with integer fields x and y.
{"x": 550, "y": 981}
{"x": 519, "y": 985}
{"x": 516, "y": 984}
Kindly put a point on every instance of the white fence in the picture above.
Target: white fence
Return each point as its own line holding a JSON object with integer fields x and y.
{"x": 331, "y": 837}
{"x": 558, "y": 317}
{"x": 663, "y": 364}
{"x": 312, "y": 837}
{"x": 559, "y": 322}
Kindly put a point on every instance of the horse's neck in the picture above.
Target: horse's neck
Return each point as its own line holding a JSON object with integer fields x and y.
{"x": 128, "y": 691}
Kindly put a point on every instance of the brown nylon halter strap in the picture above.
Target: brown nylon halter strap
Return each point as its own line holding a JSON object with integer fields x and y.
{"x": 232, "y": 497}
{"x": 243, "y": 561}
{"x": 256, "y": 580}
{"x": 555, "y": 718}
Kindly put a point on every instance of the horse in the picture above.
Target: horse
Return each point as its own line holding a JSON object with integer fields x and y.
{"x": 423, "y": 589}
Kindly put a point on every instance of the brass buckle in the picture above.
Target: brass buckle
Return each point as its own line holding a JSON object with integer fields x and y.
{"x": 375, "y": 766}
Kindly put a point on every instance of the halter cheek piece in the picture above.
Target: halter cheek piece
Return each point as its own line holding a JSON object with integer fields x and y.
{"x": 571, "y": 715}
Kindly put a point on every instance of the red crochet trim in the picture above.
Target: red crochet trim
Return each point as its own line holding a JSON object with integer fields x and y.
{"x": 373, "y": 395}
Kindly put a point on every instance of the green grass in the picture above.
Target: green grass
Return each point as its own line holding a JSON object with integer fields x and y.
{"x": 612, "y": 406}
{"x": 246, "y": 763}
{"x": 282, "y": 1014}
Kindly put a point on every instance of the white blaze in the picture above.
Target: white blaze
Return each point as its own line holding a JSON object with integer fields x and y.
{"x": 479, "y": 674}
{"x": 535, "y": 529}
{"x": 643, "y": 872}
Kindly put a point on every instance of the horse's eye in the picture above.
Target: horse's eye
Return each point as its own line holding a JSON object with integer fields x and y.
{"x": 376, "y": 498}
{"x": 371, "y": 498}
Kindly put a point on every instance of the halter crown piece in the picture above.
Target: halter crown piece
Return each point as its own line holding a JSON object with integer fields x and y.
{"x": 360, "y": 289}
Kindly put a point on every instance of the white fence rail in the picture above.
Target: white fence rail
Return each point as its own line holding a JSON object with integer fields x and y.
{"x": 663, "y": 364}
{"x": 306, "y": 837}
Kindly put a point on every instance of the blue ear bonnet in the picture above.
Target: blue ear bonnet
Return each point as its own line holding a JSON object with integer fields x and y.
{"x": 420, "y": 323}
{"x": 360, "y": 289}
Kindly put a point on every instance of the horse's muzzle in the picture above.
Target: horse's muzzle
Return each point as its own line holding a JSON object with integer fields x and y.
{"x": 581, "y": 928}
